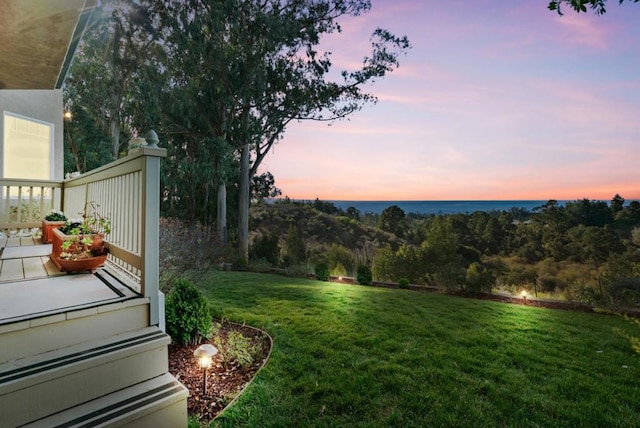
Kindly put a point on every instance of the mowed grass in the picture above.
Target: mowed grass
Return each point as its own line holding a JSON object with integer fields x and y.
{"x": 355, "y": 356}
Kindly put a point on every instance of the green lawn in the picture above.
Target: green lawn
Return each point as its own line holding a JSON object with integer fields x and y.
{"x": 355, "y": 356}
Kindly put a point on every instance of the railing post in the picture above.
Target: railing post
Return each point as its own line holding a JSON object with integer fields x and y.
{"x": 150, "y": 235}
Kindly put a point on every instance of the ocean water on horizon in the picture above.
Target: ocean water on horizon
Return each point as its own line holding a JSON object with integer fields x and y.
{"x": 439, "y": 207}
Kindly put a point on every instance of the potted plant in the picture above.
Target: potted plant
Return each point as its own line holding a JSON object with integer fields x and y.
{"x": 52, "y": 220}
{"x": 78, "y": 244}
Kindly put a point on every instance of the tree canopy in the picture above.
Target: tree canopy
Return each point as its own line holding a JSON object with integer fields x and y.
{"x": 598, "y": 6}
{"x": 220, "y": 81}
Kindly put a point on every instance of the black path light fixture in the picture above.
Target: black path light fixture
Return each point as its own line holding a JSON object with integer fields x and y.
{"x": 204, "y": 355}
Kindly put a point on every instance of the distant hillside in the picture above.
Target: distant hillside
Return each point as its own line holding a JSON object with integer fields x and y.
{"x": 317, "y": 228}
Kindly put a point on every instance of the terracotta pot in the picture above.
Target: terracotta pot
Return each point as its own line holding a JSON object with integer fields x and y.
{"x": 47, "y": 229}
{"x": 58, "y": 238}
{"x": 89, "y": 264}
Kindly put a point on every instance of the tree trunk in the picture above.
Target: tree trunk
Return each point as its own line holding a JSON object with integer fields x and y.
{"x": 115, "y": 138}
{"x": 221, "y": 219}
{"x": 243, "y": 208}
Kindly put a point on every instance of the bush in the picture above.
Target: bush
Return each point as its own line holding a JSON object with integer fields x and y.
{"x": 322, "y": 272}
{"x": 403, "y": 283}
{"x": 301, "y": 270}
{"x": 266, "y": 247}
{"x": 339, "y": 270}
{"x": 363, "y": 275}
{"x": 186, "y": 251}
{"x": 237, "y": 349}
{"x": 478, "y": 279}
{"x": 188, "y": 316}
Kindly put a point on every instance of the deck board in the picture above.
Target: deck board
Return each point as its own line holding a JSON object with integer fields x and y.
{"x": 33, "y": 267}
{"x": 11, "y": 270}
{"x": 49, "y": 266}
{"x": 13, "y": 242}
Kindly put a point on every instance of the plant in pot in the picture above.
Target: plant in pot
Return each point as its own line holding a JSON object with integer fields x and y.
{"x": 78, "y": 244}
{"x": 52, "y": 220}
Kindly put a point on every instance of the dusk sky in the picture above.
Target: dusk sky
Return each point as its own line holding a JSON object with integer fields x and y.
{"x": 496, "y": 100}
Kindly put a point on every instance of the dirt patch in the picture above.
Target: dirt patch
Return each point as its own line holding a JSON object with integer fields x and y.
{"x": 224, "y": 381}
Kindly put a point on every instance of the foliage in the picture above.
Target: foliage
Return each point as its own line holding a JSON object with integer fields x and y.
{"x": 186, "y": 251}
{"x": 363, "y": 275}
{"x": 237, "y": 349}
{"x": 295, "y": 248}
{"x": 263, "y": 187}
{"x": 82, "y": 231}
{"x": 188, "y": 317}
{"x": 392, "y": 220}
{"x": 598, "y": 6}
{"x": 339, "y": 270}
{"x": 151, "y": 63}
{"x": 555, "y": 251}
{"x": 101, "y": 91}
{"x": 266, "y": 247}
{"x": 403, "y": 283}
{"x": 478, "y": 279}
{"x": 55, "y": 215}
{"x": 322, "y": 272}
{"x": 301, "y": 270}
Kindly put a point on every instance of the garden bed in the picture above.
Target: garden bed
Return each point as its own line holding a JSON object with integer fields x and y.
{"x": 225, "y": 381}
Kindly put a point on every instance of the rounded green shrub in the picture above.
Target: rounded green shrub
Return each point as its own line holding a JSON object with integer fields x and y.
{"x": 363, "y": 275}
{"x": 187, "y": 314}
{"x": 403, "y": 283}
{"x": 322, "y": 272}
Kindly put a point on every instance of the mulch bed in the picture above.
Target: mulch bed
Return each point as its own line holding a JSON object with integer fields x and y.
{"x": 224, "y": 381}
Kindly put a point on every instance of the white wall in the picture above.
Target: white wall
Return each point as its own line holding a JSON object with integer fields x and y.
{"x": 44, "y": 105}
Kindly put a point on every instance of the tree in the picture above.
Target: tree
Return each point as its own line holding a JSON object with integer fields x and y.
{"x": 245, "y": 69}
{"x": 263, "y": 186}
{"x": 296, "y": 250}
{"x": 104, "y": 73}
{"x": 291, "y": 82}
{"x": 598, "y": 6}
{"x": 392, "y": 220}
{"x": 617, "y": 204}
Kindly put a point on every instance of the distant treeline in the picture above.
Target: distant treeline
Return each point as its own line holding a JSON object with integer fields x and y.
{"x": 583, "y": 250}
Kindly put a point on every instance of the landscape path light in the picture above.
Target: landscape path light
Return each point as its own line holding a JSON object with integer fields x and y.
{"x": 524, "y": 294}
{"x": 204, "y": 355}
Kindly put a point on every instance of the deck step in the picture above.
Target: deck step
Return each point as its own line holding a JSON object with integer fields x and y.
{"x": 73, "y": 326}
{"x": 159, "y": 403}
{"x": 37, "y": 386}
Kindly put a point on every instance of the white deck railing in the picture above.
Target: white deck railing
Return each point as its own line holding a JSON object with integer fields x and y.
{"x": 24, "y": 203}
{"x": 126, "y": 191}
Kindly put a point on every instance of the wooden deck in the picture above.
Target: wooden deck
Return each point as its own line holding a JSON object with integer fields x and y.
{"x": 31, "y": 286}
{"x": 25, "y": 258}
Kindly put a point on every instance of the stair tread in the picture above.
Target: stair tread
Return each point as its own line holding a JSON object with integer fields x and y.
{"x": 118, "y": 405}
{"x": 22, "y": 368}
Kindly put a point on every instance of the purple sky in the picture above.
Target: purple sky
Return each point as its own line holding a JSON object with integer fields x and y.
{"x": 496, "y": 100}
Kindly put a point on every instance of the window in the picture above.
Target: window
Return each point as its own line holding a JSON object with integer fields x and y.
{"x": 27, "y": 149}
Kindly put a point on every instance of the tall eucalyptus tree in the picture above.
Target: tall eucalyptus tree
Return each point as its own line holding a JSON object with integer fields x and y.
{"x": 105, "y": 69}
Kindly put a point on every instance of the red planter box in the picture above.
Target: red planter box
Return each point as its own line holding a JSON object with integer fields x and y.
{"x": 47, "y": 229}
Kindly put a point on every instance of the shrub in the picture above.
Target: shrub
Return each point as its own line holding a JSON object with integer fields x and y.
{"x": 186, "y": 251}
{"x": 403, "y": 283}
{"x": 339, "y": 270}
{"x": 301, "y": 270}
{"x": 363, "y": 275}
{"x": 266, "y": 247}
{"x": 54, "y": 215}
{"x": 478, "y": 279}
{"x": 237, "y": 349}
{"x": 188, "y": 316}
{"x": 322, "y": 272}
